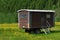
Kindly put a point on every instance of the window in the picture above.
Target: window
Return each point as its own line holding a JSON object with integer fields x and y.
{"x": 48, "y": 16}
{"x": 23, "y": 15}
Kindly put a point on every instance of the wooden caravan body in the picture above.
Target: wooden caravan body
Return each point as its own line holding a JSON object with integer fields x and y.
{"x": 35, "y": 18}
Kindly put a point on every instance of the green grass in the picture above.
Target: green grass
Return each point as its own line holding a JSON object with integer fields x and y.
{"x": 12, "y": 32}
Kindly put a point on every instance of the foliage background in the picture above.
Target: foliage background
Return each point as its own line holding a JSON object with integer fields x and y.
{"x": 8, "y": 8}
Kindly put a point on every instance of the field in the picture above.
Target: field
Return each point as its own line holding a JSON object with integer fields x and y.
{"x": 12, "y": 32}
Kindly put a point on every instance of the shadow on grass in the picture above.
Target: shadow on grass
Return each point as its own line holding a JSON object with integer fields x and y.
{"x": 23, "y": 31}
{"x": 55, "y": 31}
{"x": 51, "y": 32}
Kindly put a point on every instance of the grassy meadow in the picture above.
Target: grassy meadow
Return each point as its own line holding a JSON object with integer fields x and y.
{"x": 12, "y": 32}
{"x": 9, "y": 19}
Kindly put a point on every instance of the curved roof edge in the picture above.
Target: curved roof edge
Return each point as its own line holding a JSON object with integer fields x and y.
{"x": 36, "y": 10}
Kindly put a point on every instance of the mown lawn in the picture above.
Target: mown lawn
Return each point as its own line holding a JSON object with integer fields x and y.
{"x": 12, "y": 32}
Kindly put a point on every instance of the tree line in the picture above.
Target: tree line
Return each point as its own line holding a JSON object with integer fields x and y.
{"x": 8, "y": 8}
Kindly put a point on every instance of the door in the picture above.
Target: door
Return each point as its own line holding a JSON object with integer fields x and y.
{"x": 23, "y": 19}
{"x": 35, "y": 20}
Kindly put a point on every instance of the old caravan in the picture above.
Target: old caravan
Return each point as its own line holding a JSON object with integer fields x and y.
{"x": 34, "y": 20}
